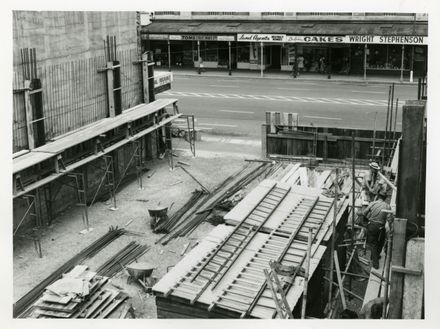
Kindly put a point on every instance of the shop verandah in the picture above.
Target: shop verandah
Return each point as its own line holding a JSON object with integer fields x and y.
{"x": 364, "y": 60}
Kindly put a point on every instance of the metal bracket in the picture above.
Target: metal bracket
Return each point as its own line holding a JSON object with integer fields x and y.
{"x": 105, "y": 69}
{"x": 404, "y": 270}
{"x": 59, "y": 163}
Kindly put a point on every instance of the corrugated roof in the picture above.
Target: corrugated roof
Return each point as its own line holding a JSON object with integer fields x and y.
{"x": 297, "y": 27}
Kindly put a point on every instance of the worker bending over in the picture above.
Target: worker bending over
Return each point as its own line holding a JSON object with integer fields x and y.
{"x": 376, "y": 221}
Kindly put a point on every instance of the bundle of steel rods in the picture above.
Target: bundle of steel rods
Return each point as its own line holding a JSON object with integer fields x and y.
{"x": 27, "y": 300}
{"x": 223, "y": 191}
{"x": 169, "y": 224}
{"x": 123, "y": 257}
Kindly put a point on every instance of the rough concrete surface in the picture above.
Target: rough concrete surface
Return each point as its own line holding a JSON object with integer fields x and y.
{"x": 62, "y": 239}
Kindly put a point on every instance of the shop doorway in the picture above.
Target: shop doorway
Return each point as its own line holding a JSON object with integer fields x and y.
{"x": 340, "y": 60}
{"x": 314, "y": 59}
{"x": 276, "y": 57}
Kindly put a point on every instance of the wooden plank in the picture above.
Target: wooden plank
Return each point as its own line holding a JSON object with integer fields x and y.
{"x": 106, "y": 125}
{"x": 413, "y": 288}
{"x": 54, "y": 314}
{"x": 29, "y": 159}
{"x": 104, "y": 305}
{"x": 398, "y": 258}
{"x": 68, "y": 308}
{"x": 112, "y": 307}
{"x": 99, "y": 301}
{"x": 50, "y": 298}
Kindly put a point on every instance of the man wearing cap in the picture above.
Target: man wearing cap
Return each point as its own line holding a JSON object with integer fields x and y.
{"x": 370, "y": 183}
{"x": 376, "y": 226}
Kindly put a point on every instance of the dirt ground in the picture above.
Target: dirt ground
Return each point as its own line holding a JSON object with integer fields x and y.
{"x": 62, "y": 240}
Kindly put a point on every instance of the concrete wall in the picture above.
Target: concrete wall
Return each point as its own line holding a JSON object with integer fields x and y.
{"x": 70, "y": 50}
{"x": 59, "y": 36}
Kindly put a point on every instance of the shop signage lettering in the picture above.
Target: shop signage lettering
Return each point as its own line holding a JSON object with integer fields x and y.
{"x": 402, "y": 40}
{"x": 158, "y": 36}
{"x": 315, "y": 39}
{"x": 261, "y": 37}
{"x": 201, "y": 37}
{"x": 372, "y": 39}
{"x": 162, "y": 79}
{"x": 377, "y": 39}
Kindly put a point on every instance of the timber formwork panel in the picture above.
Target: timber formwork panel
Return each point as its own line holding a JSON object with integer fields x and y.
{"x": 233, "y": 280}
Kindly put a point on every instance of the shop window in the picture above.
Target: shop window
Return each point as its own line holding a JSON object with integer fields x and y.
{"x": 387, "y": 57}
{"x": 243, "y": 53}
{"x": 209, "y": 51}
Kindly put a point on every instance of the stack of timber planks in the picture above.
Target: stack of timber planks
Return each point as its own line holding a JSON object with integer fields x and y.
{"x": 79, "y": 294}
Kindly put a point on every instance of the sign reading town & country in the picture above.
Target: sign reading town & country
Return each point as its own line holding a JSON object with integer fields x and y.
{"x": 261, "y": 37}
{"x": 202, "y": 37}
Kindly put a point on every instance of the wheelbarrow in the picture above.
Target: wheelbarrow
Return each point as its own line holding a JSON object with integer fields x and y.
{"x": 157, "y": 216}
{"x": 141, "y": 273}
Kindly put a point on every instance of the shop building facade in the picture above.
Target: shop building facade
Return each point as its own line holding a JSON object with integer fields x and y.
{"x": 353, "y": 45}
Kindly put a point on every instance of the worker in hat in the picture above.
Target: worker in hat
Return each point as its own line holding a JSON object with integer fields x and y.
{"x": 376, "y": 220}
{"x": 369, "y": 183}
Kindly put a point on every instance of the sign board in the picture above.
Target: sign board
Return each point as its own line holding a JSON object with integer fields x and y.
{"x": 388, "y": 40}
{"x": 162, "y": 81}
{"x": 201, "y": 37}
{"x": 246, "y": 37}
{"x": 371, "y": 39}
{"x": 315, "y": 39}
{"x": 157, "y": 37}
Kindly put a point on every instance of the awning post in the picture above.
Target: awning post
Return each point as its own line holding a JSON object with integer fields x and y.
{"x": 401, "y": 63}
{"x": 169, "y": 55}
{"x": 365, "y": 61}
{"x": 261, "y": 68}
{"x": 229, "y": 62}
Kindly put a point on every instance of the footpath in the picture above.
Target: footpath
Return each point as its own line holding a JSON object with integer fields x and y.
{"x": 248, "y": 74}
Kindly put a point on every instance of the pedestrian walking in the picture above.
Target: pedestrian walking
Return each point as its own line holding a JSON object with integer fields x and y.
{"x": 322, "y": 64}
{"x": 201, "y": 66}
{"x": 376, "y": 226}
{"x": 300, "y": 64}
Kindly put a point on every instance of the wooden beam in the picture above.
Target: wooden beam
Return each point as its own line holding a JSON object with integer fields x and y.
{"x": 29, "y": 115}
{"x": 110, "y": 93}
{"x": 398, "y": 258}
{"x": 413, "y": 287}
{"x": 410, "y": 161}
{"x": 145, "y": 77}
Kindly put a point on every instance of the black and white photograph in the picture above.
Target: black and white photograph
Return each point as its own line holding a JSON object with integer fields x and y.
{"x": 193, "y": 161}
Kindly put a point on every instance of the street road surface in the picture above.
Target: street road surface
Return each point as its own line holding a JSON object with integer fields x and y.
{"x": 237, "y": 106}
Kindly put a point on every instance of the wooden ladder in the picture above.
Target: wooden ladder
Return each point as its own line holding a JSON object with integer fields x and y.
{"x": 278, "y": 294}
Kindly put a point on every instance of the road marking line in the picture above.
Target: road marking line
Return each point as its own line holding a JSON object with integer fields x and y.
{"x": 215, "y": 124}
{"x": 223, "y": 86}
{"x": 230, "y": 111}
{"x": 293, "y": 89}
{"x": 324, "y": 118}
{"x": 367, "y": 92}
{"x": 321, "y": 100}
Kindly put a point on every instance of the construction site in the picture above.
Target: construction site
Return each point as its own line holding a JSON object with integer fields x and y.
{"x": 117, "y": 214}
